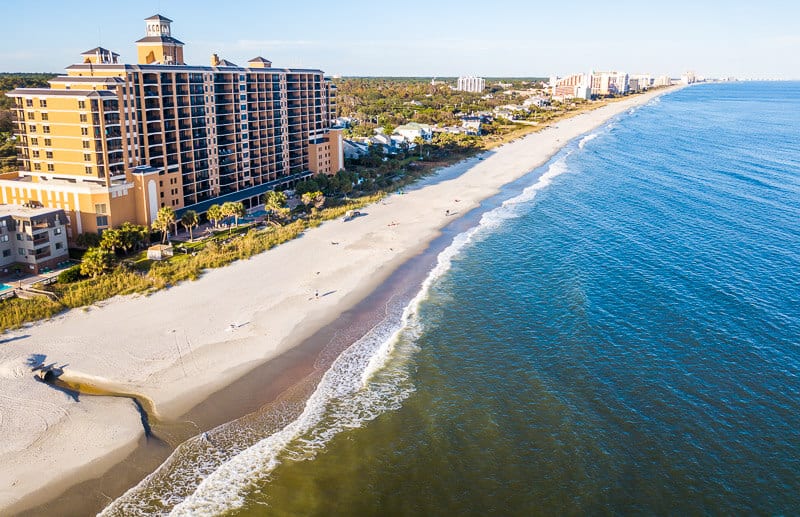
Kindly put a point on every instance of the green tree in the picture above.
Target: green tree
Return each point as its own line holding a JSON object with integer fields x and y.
{"x": 133, "y": 236}
{"x": 315, "y": 199}
{"x": 235, "y": 210}
{"x": 87, "y": 240}
{"x": 164, "y": 219}
{"x": 97, "y": 261}
{"x": 189, "y": 220}
{"x": 214, "y": 214}
{"x": 274, "y": 202}
{"x": 111, "y": 240}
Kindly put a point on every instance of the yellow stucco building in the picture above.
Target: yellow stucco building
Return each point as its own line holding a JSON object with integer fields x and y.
{"x": 111, "y": 142}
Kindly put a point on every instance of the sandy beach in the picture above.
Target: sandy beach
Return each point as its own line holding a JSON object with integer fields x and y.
{"x": 181, "y": 345}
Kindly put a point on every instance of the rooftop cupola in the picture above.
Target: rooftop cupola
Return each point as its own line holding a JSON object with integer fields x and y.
{"x": 158, "y": 47}
{"x": 158, "y": 26}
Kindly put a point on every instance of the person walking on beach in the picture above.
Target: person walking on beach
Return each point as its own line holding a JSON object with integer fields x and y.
{"x": 316, "y": 294}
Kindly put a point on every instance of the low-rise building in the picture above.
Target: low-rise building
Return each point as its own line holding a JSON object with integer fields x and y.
{"x": 32, "y": 238}
{"x": 414, "y": 130}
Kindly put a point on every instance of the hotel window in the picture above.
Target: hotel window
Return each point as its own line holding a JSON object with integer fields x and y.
{"x": 44, "y": 116}
{"x": 50, "y": 167}
{"x": 34, "y": 141}
{"x": 19, "y": 237}
{"x": 46, "y": 129}
{"x": 37, "y": 166}
{"x": 48, "y": 142}
{"x": 21, "y": 251}
{"x": 242, "y": 97}
{"x": 242, "y": 87}
{"x": 42, "y": 103}
{"x": 82, "y": 105}
{"x": 32, "y": 128}
{"x": 88, "y": 170}
{"x": 29, "y": 103}
{"x": 83, "y": 117}
{"x": 49, "y": 155}
{"x": 85, "y": 144}
{"x": 57, "y": 231}
{"x": 87, "y": 157}
{"x": 30, "y": 115}
{"x": 3, "y": 238}
{"x": 59, "y": 245}
{"x": 84, "y": 131}
{"x": 6, "y": 253}
{"x": 102, "y": 220}
{"x": 35, "y": 153}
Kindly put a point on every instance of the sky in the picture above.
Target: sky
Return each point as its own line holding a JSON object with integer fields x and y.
{"x": 497, "y": 38}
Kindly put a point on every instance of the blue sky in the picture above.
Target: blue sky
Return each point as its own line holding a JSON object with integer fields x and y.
{"x": 427, "y": 38}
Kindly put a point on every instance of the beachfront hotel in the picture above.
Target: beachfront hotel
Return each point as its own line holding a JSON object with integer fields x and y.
{"x": 110, "y": 142}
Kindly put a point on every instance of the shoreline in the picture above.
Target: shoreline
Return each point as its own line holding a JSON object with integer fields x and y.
{"x": 186, "y": 353}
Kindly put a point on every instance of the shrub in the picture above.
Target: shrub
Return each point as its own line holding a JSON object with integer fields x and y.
{"x": 70, "y": 275}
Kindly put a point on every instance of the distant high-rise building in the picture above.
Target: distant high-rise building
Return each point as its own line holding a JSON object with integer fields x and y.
{"x": 111, "y": 142}
{"x": 575, "y": 86}
{"x": 609, "y": 83}
{"x": 471, "y": 84}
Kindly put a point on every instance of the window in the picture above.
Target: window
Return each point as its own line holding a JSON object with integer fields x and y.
{"x": 6, "y": 253}
{"x": 21, "y": 251}
{"x": 87, "y": 157}
{"x": 48, "y": 142}
{"x": 242, "y": 97}
{"x": 42, "y": 103}
{"x": 57, "y": 231}
{"x": 44, "y": 116}
{"x": 85, "y": 144}
{"x": 100, "y": 208}
{"x": 37, "y": 166}
{"x": 88, "y": 170}
{"x": 50, "y": 167}
{"x": 29, "y": 103}
{"x": 34, "y": 141}
{"x": 3, "y": 238}
{"x": 32, "y": 128}
{"x": 19, "y": 236}
{"x": 102, "y": 220}
{"x": 84, "y": 131}
{"x": 82, "y": 105}
{"x": 49, "y": 155}
{"x": 83, "y": 117}
{"x": 46, "y": 129}
{"x": 35, "y": 153}
{"x": 30, "y": 115}
{"x": 59, "y": 245}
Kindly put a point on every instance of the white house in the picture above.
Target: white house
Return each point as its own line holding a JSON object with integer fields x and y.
{"x": 413, "y": 130}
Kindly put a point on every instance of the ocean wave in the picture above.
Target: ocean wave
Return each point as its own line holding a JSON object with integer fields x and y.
{"x": 210, "y": 473}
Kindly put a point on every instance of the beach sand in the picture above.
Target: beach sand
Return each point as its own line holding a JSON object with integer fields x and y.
{"x": 180, "y": 345}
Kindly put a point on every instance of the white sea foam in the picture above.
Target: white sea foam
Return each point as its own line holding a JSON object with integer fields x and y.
{"x": 366, "y": 380}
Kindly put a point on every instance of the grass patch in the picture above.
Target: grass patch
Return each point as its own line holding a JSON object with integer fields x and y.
{"x": 138, "y": 274}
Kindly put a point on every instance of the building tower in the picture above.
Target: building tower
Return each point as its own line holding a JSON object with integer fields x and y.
{"x": 158, "y": 46}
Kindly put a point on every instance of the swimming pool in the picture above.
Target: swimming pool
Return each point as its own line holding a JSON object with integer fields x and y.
{"x": 5, "y": 287}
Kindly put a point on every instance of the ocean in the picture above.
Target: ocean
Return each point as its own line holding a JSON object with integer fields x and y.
{"x": 618, "y": 332}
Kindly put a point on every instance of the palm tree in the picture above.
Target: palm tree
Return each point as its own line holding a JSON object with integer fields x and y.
{"x": 96, "y": 261}
{"x": 234, "y": 209}
{"x": 215, "y": 214}
{"x": 274, "y": 201}
{"x": 111, "y": 240}
{"x": 189, "y": 220}
{"x": 165, "y": 217}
